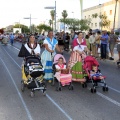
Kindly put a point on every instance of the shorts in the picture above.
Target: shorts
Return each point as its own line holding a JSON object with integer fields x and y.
{"x": 111, "y": 47}
{"x": 118, "y": 47}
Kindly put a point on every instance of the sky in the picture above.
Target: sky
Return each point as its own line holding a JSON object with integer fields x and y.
{"x": 14, "y": 11}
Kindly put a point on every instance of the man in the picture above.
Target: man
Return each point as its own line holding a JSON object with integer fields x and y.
{"x": 104, "y": 42}
{"x": 92, "y": 44}
{"x": 118, "y": 48}
{"x": 11, "y": 38}
{"x": 112, "y": 42}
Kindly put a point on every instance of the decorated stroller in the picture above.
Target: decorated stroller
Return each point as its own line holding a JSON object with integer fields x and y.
{"x": 32, "y": 75}
{"x": 89, "y": 62}
{"x": 63, "y": 77}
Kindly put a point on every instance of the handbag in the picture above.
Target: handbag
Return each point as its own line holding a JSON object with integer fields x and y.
{"x": 65, "y": 71}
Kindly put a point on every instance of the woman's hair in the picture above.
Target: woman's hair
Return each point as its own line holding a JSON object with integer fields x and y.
{"x": 79, "y": 33}
{"x": 87, "y": 36}
{"x": 98, "y": 32}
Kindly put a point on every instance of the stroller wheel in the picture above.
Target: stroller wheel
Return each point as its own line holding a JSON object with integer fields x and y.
{"x": 22, "y": 86}
{"x": 84, "y": 85}
{"x": 32, "y": 94}
{"x": 44, "y": 92}
{"x": 71, "y": 87}
{"x": 93, "y": 90}
{"x": 105, "y": 88}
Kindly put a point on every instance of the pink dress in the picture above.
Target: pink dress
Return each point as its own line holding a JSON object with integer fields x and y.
{"x": 64, "y": 79}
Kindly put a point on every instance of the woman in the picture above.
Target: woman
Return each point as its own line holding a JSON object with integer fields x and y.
{"x": 50, "y": 44}
{"x": 66, "y": 42}
{"x": 75, "y": 62}
{"x": 29, "y": 49}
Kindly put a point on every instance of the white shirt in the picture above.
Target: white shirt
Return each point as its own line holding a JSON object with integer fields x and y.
{"x": 49, "y": 45}
{"x": 58, "y": 67}
{"x": 36, "y": 50}
{"x": 79, "y": 48}
{"x": 119, "y": 40}
{"x": 92, "y": 39}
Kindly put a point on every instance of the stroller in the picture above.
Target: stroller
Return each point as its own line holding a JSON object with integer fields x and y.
{"x": 89, "y": 62}
{"x": 32, "y": 75}
{"x": 63, "y": 78}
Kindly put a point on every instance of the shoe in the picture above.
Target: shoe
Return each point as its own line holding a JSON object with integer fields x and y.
{"x": 111, "y": 58}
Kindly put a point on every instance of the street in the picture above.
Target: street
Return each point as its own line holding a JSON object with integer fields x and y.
{"x": 79, "y": 104}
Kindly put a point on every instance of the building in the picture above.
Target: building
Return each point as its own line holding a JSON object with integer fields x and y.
{"x": 108, "y": 9}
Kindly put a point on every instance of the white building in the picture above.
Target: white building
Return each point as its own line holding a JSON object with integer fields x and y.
{"x": 107, "y": 8}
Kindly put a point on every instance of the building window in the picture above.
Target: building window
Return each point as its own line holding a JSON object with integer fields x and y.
{"x": 95, "y": 24}
{"x": 110, "y": 12}
{"x": 105, "y": 12}
{"x": 85, "y": 17}
{"x": 89, "y": 16}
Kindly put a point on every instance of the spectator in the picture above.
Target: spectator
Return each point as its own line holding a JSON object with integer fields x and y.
{"x": 92, "y": 44}
{"x": 104, "y": 41}
{"x": 112, "y": 42}
{"x": 87, "y": 41}
{"x": 118, "y": 48}
{"x": 97, "y": 39}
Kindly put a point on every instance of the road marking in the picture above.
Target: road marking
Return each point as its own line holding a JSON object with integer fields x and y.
{"x": 114, "y": 89}
{"x": 109, "y": 99}
{"x": 69, "y": 118}
{"x": 23, "y": 102}
{"x": 14, "y": 47}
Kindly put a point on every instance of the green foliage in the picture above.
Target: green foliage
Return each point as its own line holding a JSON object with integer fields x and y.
{"x": 64, "y": 14}
{"x": 44, "y": 27}
{"x": 50, "y": 22}
{"x": 24, "y": 28}
{"x": 117, "y": 33}
{"x": 52, "y": 13}
{"x": 104, "y": 21}
{"x": 76, "y": 24}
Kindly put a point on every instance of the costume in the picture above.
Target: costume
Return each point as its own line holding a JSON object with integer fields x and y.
{"x": 65, "y": 79}
{"x": 75, "y": 61}
{"x": 47, "y": 58}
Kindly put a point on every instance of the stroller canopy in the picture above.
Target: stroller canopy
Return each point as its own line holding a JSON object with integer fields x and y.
{"x": 56, "y": 57}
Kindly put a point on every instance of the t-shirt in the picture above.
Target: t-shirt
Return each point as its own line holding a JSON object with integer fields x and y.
{"x": 106, "y": 39}
{"x": 58, "y": 67}
{"x": 113, "y": 38}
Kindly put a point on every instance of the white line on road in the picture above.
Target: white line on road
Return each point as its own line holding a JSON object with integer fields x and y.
{"x": 69, "y": 118}
{"x": 23, "y": 102}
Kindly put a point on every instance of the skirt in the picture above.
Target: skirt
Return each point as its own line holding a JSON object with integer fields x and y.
{"x": 64, "y": 79}
{"x": 77, "y": 72}
{"x": 47, "y": 62}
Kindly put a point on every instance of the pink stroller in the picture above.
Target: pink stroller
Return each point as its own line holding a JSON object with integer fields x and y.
{"x": 90, "y": 61}
{"x": 63, "y": 79}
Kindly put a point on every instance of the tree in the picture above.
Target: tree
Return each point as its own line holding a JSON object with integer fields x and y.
{"x": 94, "y": 15}
{"x": 104, "y": 21}
{"x": 52, "y": 13}
{"x": 76, "y": 24}
{"x": 24, "y": 28}
{"x": 44, "y": 27}
{"x": 115, "y": 14}
{"x": 50, "y": 22}
{"x": 33, "y": 28}
{"x": 64, "y": 15}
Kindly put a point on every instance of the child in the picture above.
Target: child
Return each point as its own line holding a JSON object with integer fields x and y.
{"x": 65, "y": 79}
{"x": 95, "y": 73}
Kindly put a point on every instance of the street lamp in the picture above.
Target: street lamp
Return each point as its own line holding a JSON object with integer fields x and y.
{"x": 30, "y": 21}
{"x": 53, "y": 7}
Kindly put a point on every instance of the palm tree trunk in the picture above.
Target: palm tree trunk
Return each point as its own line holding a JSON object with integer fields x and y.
{"x": 115, "y": 14}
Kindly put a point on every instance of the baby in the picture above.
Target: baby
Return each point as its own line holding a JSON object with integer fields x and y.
{"x": 64, "y": 78}
{"x": 95, "y": 73}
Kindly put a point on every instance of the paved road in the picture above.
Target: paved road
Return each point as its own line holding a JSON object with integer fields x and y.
{"x": 79, "y": 104}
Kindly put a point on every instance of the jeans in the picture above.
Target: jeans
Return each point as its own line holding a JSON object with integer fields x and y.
{"x": 103, "y": 50}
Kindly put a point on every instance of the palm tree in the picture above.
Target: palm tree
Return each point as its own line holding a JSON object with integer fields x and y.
{"x": 52, "y": 13}
{"x": 50, "y": 22}
{"x": 64, "y": 15}
{"x": 115, "y": 14}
